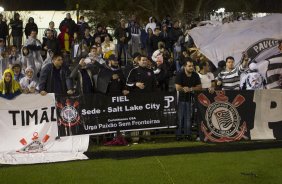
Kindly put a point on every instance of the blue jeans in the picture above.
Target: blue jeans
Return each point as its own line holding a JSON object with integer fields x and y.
{"x": 184, "y": 119}
{"x": 122, "y": 48}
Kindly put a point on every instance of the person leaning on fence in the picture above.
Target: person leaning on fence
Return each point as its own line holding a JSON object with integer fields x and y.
{"x": 186, "y": 82}
{"x": 9, "y": 87}
{"x": 54, "y": 78}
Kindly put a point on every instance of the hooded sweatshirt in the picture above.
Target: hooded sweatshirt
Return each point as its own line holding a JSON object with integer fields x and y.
{"x": 151, "y": 25}
{"x": 15, "y": 86}
{"x": 27, "y": 82}
{"x": 65, "y": 39}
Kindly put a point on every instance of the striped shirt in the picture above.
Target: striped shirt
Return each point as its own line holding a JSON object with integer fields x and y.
{"x": 274, "y": 72}
{"x": 230, "y": 79}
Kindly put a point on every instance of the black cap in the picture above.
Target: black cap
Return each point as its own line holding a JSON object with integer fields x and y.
{"x": 112, "y": 57}
{"x": 136, "y": 54}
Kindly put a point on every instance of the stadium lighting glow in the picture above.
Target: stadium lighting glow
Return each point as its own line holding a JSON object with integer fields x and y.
{"x": 1, "y": 9}
{"x": 220, "y": 10}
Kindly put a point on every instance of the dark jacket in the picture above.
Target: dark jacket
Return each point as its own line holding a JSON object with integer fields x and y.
{"x": 46, "y": 81}
{"x": 30, "y": 26}
{"x": 105, "y": 83}
{"x": 52, "y": 44}
{"x": 144, "y": 75}
{"x": 17, "y": 27}
{"x": 175, "y": 34}
{"x": 70, "y": 24}
{"x": 155, "y": 40}
{"x": 122, "y": 32}
{"x": 76, "y": 75}
{"x": 4, "y": 31}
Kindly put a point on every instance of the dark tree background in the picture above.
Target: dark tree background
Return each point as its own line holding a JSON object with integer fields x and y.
{"x": 110, "y": 11}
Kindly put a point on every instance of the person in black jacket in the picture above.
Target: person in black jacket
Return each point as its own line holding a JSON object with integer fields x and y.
{"x": 30, "y": 26}
{"x": 17, "y": 30}
{"x": 70, "y": 24}
{"x": 83, "y": 75}
{"x": 141, "y": 79}
{"x": 110, "y": 79}
{"x": 156, "y": 38}
{"x": 123, "y": 35}
{"x": 4, "y": 30}
{"x": 51, "y": 42}
{"x": 54, "y": 78}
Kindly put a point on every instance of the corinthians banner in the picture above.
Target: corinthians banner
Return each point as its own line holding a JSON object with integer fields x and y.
{"x": 100, "y": 114}
{"x": 227, "y": 116}
{"x": 258, "y": 38}
{"x": 29, "y": 132}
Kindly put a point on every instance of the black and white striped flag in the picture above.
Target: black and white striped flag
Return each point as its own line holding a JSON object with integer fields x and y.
{"x": 274, "y": 72}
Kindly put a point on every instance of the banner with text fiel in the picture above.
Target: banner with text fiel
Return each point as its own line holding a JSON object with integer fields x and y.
{"x": 227, "y": 116}
{"x": 100, "y": 114}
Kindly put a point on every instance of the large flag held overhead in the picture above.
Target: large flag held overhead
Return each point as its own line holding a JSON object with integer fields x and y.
{"x": 259, "y": 38}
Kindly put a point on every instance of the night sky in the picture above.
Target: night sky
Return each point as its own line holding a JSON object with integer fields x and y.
{"x": 16, "y": 5}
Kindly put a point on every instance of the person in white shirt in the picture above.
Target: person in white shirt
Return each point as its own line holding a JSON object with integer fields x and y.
{"x": 207, "y": 78}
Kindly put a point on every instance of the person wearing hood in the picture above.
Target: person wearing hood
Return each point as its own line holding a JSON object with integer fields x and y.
{"x": 28, "y": 83}
{"x": 17, "y": 30}
{"x": 9, "y": 87}
{"x": 152, "y": 24}
{"x": 68, "y": 22}
{"x": 253, "y": 80}
{"x": 34, "y": 46}
{"x": 48, "y": 59}
{"x": 31, "y": 25}
{"x": 65, "y": 39}
{"x": 26, "y": 59}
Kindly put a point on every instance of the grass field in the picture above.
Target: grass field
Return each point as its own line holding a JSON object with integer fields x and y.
{"x": 158, "y": 163}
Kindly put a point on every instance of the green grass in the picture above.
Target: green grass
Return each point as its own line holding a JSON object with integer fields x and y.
{"x": 259, "y": 166}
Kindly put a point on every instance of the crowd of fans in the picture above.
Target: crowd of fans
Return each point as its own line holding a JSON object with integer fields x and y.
{"x": 144, "y": 59}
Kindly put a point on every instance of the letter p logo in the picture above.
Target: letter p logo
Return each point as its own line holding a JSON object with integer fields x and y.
{"x": 168, "y": 100}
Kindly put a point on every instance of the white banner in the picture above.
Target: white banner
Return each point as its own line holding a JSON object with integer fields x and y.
{"x": 29, "y": 132}
{"x": 255, "y": 37}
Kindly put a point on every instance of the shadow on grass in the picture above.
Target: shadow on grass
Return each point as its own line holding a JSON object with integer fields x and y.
{"x": 223, "y": 147}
